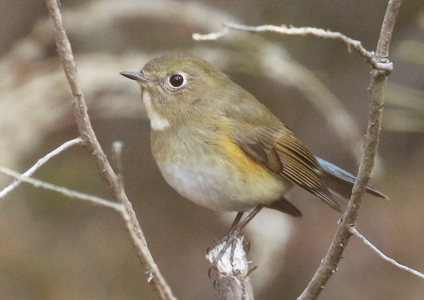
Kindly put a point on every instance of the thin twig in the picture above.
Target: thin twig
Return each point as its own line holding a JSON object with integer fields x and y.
{"x": 62, "y": 190}
{"x": 385, "y": 257}
{"x": 378, "y": 80}
{"x": 210, "y": 36}
{"x": 283, "y": 29}
{"x": 39, "y": 163}
{"x": 155, "y": 277}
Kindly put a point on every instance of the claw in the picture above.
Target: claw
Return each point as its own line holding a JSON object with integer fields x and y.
{"x": 228, "y": 241}
{"x": 233, "y": 240}
{"x": 251, "y": 270}
{"x": 215, "y": 284}
{"x": 210, "y": 270}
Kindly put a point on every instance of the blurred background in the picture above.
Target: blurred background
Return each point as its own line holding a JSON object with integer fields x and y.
{"x": 57, "y": 248}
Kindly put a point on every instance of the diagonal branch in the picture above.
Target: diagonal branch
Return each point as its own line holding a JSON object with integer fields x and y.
{"x": 86, "y": 131}
{"x": 378, "y": 81}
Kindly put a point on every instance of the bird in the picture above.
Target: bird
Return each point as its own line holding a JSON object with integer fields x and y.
{"x": 221, "y": 148}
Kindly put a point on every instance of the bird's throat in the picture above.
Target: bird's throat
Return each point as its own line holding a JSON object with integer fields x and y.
{"x": 157, "y": 122}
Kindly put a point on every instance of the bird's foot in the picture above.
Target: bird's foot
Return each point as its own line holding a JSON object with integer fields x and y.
{"x": 228, "y": 255}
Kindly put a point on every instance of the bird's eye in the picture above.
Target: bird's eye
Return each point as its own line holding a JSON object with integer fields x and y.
{"x": 176, "y": 80}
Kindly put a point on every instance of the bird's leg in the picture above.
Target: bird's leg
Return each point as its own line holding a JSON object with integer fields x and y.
{"x": 234, "y": 234}
{"x": 236, "y": 220}
{"x": 238, "y": 227}
{"x": 226, "y": 238}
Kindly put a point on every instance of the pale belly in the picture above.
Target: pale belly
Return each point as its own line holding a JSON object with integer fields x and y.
{"x": 205, "y": 166}
{"x": 219, "y": 185}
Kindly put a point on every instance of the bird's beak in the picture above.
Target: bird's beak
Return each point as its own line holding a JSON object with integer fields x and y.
{"x": 137, "y": 76}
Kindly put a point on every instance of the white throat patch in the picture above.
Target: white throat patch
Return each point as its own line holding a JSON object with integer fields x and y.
{"x": 156, "y": 121}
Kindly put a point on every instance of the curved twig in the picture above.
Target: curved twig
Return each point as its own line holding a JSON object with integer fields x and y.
{"x": 283, "y": 29}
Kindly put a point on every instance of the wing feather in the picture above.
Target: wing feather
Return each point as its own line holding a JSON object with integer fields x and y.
{"x": 282, "y": 153}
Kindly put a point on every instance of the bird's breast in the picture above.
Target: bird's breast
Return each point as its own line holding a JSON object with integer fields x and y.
{"x": 212, "y": 171}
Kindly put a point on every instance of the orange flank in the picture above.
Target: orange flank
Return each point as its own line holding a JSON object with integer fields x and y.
{"x": 239, "y": 160}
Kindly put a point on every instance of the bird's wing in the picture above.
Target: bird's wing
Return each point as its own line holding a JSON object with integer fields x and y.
{"x": 278, "y": 150}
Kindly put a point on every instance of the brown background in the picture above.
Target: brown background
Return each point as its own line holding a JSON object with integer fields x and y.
{"x": 57, "y": 248}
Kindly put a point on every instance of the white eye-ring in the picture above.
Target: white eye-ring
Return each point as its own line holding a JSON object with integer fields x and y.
{"x": 177, "y": 80}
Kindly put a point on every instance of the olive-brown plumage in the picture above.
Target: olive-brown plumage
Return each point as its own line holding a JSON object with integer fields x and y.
{"x": 221, "y": 148}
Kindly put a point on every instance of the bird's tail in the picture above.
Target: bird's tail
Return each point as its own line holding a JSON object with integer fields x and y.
{"x": 341, "y": 182}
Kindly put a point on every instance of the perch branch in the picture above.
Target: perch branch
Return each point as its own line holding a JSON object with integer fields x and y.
{"x": 86, "y": 131}
{"x": 233, "y": 282}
